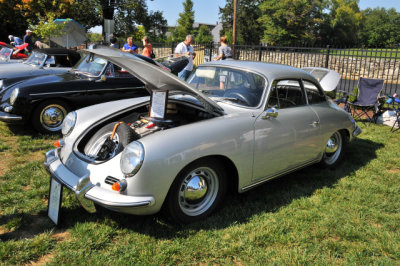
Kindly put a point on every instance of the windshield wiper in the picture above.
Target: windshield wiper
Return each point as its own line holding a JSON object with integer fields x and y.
{"x": 232, "y": 99}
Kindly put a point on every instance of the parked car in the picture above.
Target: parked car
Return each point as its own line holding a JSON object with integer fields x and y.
{"x": 236, "y": 124}
{"x": 40, "y": 62}
{"x": 9, "y": 55}
{"x": 328, "y": 78}
{"x": 44, "y": 101}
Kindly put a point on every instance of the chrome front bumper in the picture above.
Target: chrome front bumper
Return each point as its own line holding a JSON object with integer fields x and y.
{"x": 86, "y": 192}
{"x": 357, "y": 131}
{"x": 6, "y": 117}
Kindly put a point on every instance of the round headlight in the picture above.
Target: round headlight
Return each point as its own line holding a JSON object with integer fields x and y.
{"x": 68, "y": 123}
{"x": 14, "y": 95}
{"x": 132, "y": 158}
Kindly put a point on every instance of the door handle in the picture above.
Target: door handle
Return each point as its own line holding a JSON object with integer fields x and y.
{"x": 314, "y": 124}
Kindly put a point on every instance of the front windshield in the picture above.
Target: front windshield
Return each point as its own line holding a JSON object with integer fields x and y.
{"x": 5, "y": 54}
{"x": 230, "y": 85}
{"x": 36, "y": 59}
{"x": 91, "y": 65}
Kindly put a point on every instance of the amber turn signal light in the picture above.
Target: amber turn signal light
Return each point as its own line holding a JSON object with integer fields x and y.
{"x": 58, "y": 143}
{"x": 119, "y": 185}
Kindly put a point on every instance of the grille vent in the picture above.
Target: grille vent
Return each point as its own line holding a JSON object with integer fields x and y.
{"x": 110, "y": 180}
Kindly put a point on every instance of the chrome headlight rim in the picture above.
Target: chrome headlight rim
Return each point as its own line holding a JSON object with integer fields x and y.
{"x": 14, "y": 96}
{"x": 68, "y": 123}
{"x": 1, "y": 84}
{"x": 132, "y": 158}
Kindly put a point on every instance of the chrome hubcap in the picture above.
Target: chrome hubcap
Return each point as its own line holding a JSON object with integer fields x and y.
{"x": 52, "y": 116}
{"x": 198, "y": 191}
{"x": 333, "y": 148}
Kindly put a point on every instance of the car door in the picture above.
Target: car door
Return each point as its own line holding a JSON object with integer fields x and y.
{"x": 114, "y": 85}
{"x": 289, "y": 140}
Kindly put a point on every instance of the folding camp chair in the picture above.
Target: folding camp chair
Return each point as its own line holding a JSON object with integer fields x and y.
{"x": 367, "y": 99}
{"x": 395, "y": 102}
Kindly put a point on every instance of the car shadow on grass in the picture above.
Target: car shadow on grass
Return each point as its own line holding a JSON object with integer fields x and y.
{"x": 236, "y": 209}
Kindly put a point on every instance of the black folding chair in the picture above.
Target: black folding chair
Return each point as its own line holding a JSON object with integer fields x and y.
{"x": 367, "y": 100}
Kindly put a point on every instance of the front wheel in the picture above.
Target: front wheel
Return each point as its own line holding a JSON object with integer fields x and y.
{"x": 196, "y": 192}
{"x": 334, "y": 149}
{"x": 49, "y": 115}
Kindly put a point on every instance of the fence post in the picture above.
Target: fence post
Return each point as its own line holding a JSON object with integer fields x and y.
{"x": 260, "y": 53}
{"x": 172, "y": 48}
{"x": 211, "y": 50}
{"x": 327, "y": 56}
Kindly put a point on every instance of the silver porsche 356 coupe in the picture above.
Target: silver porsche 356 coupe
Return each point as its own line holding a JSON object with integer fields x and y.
{"x": 232, "y": 124}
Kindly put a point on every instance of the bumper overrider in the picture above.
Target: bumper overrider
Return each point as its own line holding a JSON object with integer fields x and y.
{"x": 357, "y": 131}
{"x": 88, "y": 193}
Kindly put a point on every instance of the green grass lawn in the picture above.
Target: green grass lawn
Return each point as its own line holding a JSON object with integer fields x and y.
{"x": 350, "y": 215}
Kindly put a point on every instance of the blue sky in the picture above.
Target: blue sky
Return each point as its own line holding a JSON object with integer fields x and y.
{"x": 206, "y": 11}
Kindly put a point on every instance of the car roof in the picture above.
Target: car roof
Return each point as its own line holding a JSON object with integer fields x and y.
{"x": 271, "y": 71}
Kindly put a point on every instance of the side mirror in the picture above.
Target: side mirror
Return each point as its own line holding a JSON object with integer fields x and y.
{"x": 103, "y": 78}
{"x": 271, "y": 112}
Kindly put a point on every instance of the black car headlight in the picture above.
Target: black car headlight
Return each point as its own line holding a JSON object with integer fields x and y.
{"x": 68, "y": 123}
{"x": 132, "y": 158}
{"x": 14, "y": 95}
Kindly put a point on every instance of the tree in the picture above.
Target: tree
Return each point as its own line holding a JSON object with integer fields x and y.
{"x": 47, "y": 28}
{"x": 291, "y": 22}
{"x": 381, "y": 27}
{"x": 343, "y": 22}
{"x": 185, "y": 22}
{"x": 248, "y": 29}
{"x": 12, "y": 21}
{"x": 203, "y": 35}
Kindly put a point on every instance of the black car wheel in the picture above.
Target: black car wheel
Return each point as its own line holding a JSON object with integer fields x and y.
{"x": 49, "y": 115}
{"x": 196, "y": 192}
{"x": 334, "y": 149}
{"x": 122, "y": 137}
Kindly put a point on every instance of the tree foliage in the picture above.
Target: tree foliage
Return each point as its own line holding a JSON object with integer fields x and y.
{"x": 185, "y": 22}
{"x": 248, "y": 29}
{"x": 289, "y": 22}
{"x": 381, "y": 28}
{"x": 203, "y": 35}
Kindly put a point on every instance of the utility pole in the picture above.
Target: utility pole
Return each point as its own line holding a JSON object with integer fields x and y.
{"x": 234, "y": 28}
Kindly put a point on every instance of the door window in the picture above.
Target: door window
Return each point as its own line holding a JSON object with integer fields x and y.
{"x": 286, "y": 94}
{"x": 314, "y": 94}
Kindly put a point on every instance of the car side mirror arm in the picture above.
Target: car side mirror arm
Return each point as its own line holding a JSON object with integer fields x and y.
{"x": 103, "y": 78}
{"x": 271, "y": 112}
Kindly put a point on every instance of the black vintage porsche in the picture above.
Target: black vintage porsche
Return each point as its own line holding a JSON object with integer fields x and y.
{"x": 44, "y": 101}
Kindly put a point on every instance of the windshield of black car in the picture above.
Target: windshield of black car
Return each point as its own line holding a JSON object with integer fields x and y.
{"x": 36, "y": 59}
{"x": 91, "y": 65}
{"x": 5, "y": 54}
{"x": 230, "y": 85}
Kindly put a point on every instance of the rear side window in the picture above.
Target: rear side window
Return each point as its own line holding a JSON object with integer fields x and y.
{"x": 314, "y": 94}
{"x": 286, "y": 94}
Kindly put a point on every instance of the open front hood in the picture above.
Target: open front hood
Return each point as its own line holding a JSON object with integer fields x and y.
{"x": 153, "y": 76}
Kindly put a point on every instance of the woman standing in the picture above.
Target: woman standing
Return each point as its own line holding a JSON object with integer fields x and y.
{"x": 224, "y": 51}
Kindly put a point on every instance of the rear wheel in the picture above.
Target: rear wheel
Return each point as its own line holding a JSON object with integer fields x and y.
{"x": 122, "y": 137}
{"x": 49, "y": 115}
{"x": 334, "y": 149}
{"x": 196, "y": 192}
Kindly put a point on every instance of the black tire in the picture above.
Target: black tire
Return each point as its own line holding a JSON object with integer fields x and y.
{"x": 185, "y": 205}
{"x": 48, "y": 116}
{"x": 122, "y": 137}
{"x": 334, "y": 150}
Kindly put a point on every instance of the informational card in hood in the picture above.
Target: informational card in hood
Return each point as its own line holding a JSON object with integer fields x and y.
{"x": 158, "y": 104}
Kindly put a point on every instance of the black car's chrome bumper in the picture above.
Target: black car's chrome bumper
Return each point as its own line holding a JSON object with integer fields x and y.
{"x": 6, "y": 117}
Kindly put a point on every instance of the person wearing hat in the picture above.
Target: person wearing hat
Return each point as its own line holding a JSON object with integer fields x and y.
{"x": 14, "y": 40}
{"x": 28, "y": 40}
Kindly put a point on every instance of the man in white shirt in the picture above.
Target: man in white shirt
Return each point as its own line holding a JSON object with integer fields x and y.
{"x": 186, "y": 49}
